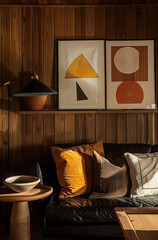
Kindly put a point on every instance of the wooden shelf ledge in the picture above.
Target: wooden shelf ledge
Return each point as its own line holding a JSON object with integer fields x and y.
{"x": 89, "y": 111}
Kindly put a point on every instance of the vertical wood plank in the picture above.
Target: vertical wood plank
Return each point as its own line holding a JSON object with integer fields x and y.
{"x": 101, "y": 127}
{"x": 6, "y": 76}
{"x": 90, "y": 127}
{"x": 121, "y": 22}
{"x": 110, "y": 22}
{"x": 26, "y": 22}
{"x": 111, "y": 128}
{"x": 69, "y": 22}
{"x": 141, "y": 22}
{"x": 131, "y": 22}
{"x": 80, "y": 23}
{"x": 121, "y": 128}
{"x": 58, "y": 34}
{"x": 80, "y": 128}
{"x": 131, "y": 128}
{"x": 37, "y": 41}
{"x": 69, "y": 128}
{"x": 100, "y": 18}
{"x": 151, "y": 126}
{"x": 90, "y": 22}
{"x": 48, "y": 55}
{"x": 49, "y": 136}
{"x": 141, "y": 128}
{"x": 151, "y": 24}
{"x": 38, "y": 137}
{"x": 59, "y": 128}
{"x": 15, "y": 120}
{"x": 27, "y": 143}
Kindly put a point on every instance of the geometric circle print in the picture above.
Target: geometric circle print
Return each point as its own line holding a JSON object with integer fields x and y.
{"x": 126, "y": 60}
{"x": 129, "y": 63}
{"x": 129, "y": 92}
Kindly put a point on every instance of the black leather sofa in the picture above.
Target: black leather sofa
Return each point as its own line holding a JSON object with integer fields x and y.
{"x": 81, "y": 217}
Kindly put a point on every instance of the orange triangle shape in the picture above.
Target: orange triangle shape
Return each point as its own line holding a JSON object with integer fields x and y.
{"x": 80, "y": 68}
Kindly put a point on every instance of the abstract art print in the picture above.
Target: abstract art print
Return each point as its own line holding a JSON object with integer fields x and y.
{"x": 81, "y": 74}
{"x": 130, "y": 74}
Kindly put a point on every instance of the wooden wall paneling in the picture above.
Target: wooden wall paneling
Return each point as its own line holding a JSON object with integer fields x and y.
{"x": 110, "y": 22}
{"x": 101, "y": 127}
{"x": 69, "y": 22}
{"x": 80, "y": 23}
{"x": 90, "y": 127}
{"x": 90, "y": 23}
{"x": 48, "y": 135}
{"x": 26, "y": 21}
{"x": 121, "y": 128}
{"x": 38, "y": 151}
{"x": 141, "y": 22}
{"x": 5, "y": 76}
{"x": 69, "y": 128}
{"x": 58, "y": 34}
{"x": 111, "y": 130}
{"x": 48, "y": 53}
{"x": 131, "y": 22}
{"x": 37, "y": 41}
{"x": 1, "y": 112}
{"x": 15, "y": 120}
{"x": 151, "y": 23}
{"x": 80, "y": 128}
{"x": 151, "y": 127}
{"x": 131, "y": 128}
{"x": 141, "y": 128}
{"x": 27, "y": 143}
{"x": 59, "y": 128}
{"x": 120, "y": 22}
{"x": 156, "y": 128}
{"x": 69, "y": 32}
{"x": 100, "y": 25}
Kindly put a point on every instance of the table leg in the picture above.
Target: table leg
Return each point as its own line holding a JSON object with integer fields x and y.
{"x": 20, "y": 222}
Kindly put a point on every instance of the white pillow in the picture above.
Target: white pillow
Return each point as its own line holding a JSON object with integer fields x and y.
{"x": 144, "y": 173}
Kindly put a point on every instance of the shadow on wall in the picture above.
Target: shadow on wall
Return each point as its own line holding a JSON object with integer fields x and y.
{"x": 15, "y": 86}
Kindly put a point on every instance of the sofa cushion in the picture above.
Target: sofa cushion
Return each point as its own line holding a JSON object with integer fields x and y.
{"x": 144, "y": 173}
{"x": 75, "y": 168}
{"x": 109, "y": 180}
{"x": 81, "y": 210}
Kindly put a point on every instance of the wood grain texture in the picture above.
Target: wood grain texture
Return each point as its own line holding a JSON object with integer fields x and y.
{"x": 59, "y": 128}
{"x": 101, "y": 127}
{"x": 48, "y": 52}
{"x": 37, "y": 137}
{"x": 69, "y": 128}
{"x": 141, "y": 128}
{"x": 131, "y": 128}
{"x": 90, "y": 127}
{"x": 121, "y": 128}
{"x": 111, "y": 128}
{"x": 48, "y": 135}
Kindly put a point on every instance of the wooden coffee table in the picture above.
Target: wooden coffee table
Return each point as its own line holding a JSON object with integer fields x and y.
{"x": 20, "y": 215}
{"x": 138, "y": 223}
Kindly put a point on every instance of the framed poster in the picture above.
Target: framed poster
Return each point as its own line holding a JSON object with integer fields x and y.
{"x": 130, "y": 74}
{"x": 81, "y": 74}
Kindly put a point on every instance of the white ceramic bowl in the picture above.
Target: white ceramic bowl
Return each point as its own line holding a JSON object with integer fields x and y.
{"x": 21, "y": 183}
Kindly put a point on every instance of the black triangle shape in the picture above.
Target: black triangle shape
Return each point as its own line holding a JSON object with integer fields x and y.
{"x": 80, "y": 94}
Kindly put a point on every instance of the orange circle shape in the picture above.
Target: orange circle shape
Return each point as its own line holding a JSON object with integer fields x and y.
{"x": 129, "y": 92}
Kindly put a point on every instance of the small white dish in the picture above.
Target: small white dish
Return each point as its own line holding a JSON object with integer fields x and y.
{"x": 21, "y": 183}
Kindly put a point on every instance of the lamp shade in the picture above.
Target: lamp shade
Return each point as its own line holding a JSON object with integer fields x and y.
{"x": 35, "y": 88}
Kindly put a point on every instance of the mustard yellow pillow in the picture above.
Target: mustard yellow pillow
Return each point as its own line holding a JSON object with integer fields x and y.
{"x": 75, "y": 168}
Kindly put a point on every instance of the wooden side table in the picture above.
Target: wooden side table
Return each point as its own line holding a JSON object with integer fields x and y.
{"x": 20, "y": 215}
{"x": 138, "y": 223}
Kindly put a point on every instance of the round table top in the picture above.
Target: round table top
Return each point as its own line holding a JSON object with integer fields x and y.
{"x": 39, "y": 192}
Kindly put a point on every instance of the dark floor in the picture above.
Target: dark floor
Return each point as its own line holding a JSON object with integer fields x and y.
{"x": 36, "y": 234}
